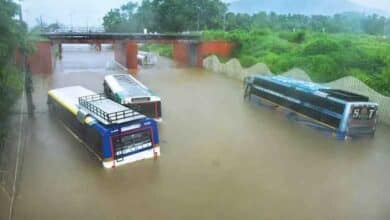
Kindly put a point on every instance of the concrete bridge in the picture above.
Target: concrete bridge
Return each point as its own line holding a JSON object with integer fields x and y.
{"x": 188, "y": 49}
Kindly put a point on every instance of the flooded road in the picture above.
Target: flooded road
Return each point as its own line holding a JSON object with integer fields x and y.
{"x": 222, "y": 158}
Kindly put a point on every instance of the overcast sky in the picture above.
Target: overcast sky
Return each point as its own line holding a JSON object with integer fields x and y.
{"x": 84, "y": 13}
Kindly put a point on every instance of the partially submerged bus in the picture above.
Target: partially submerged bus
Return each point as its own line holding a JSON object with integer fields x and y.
{"x": 146, "y": 58}
{"x": 346, "y": 114}
{"x": 128, "y": 91}
{"x": 114, "y": 133}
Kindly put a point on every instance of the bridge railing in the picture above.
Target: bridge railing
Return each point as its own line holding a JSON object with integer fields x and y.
{"x": 71, "y": 29}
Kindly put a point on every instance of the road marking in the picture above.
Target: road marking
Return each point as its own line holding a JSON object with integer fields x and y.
{"x": 11, "y": 204}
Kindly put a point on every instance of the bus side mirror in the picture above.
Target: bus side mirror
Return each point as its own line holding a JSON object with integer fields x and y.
{"x": 81, "y": 115}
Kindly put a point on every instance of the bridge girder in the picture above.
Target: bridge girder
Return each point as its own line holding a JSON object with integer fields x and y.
{"x": 88, "y": 37}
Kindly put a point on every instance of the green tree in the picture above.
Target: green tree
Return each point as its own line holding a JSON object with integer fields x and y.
{"x": 112, "y": 21}
{"x": 146, "y": 16}
{"x": 374, "y": 24}
{"x": 166, "y": 16}
{"x": 13, "y": 36}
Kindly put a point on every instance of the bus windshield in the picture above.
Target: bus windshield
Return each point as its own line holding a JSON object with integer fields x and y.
{"x": 128, "y": 143}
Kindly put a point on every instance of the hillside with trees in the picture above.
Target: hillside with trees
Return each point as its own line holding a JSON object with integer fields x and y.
{"x": 327, "y": 47}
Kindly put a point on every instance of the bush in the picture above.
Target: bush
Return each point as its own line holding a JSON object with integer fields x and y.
{"x": 299, "y": 37}
{"x": 248, "y": 61}
{"x": 321, "y": 46}
{"x": 322, "y": 68}
{"x": 279, "y": 47}
{"x": 294, "y": 37}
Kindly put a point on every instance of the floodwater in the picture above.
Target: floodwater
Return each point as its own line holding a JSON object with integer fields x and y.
{"x": 222, "y": 158}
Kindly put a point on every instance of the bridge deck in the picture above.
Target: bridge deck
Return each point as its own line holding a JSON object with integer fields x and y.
{"x": 82, "y": 36}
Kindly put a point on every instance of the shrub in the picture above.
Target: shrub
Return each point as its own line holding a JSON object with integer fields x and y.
{"x": 322, "y": 68}
{"x": 271, "y": 60}
{"x": 321, "y": 46}
{"x": 294, "y": 37}
{"x": 280, "y": 47}
{"x": 247, "y": 61}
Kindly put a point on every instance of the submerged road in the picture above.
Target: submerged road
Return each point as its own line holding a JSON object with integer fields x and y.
{"x": 222, "y": 158}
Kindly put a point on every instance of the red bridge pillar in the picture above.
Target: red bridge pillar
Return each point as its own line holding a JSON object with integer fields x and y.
{"x": 220, "y": 48}
{"x": 180, "y": 53}
{"x": 191, "y": 53}
{"x": 126, "y": 54}
{"x": 42, "y": 61}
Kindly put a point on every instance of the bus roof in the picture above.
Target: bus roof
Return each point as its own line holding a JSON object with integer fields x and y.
{"x": 316, "y": 89}
{"x": 76, "y": 98}
{"x": 126, "y": 86}
{"x": 107, "y": 111}
{"x": 69, "y": 96}
{"x": 303, "y": 85}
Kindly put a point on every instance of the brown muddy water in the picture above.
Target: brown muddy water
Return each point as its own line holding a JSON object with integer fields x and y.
{"x": 222, "y": 158}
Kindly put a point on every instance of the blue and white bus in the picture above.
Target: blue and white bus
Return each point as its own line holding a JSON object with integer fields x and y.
{"x": 126, "y": 90}
{"x": 347, "y": 114}
{"x": 114, "y": 133}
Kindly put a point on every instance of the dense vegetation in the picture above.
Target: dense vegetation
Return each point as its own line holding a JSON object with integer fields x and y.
{"x": 166, "y": 16}
{"x": 325, "y": 57}
{"x": 13, "y": 35}
{"x": 187, "y": 15}
{"x": 326, "y": 47}
{"x": 348, "y": 22}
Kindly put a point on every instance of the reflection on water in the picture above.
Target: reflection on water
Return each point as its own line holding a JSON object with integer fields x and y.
{"x": 222, "y": 158}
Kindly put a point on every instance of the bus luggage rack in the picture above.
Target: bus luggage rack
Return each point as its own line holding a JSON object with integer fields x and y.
{"x": 102, "y": 107}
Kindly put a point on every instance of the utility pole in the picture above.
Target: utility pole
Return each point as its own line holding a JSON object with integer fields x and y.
{"x": 28, "y": 86}
{"x": 87, "y": 25}
{"x": 224, "y": 21}
{"x": 41, "y": 23}
{"x": 71, "y": 22}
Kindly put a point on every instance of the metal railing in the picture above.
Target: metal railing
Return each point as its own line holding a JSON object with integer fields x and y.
{"x": 88, "y": 103}
{"x": 70, "y": 29}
